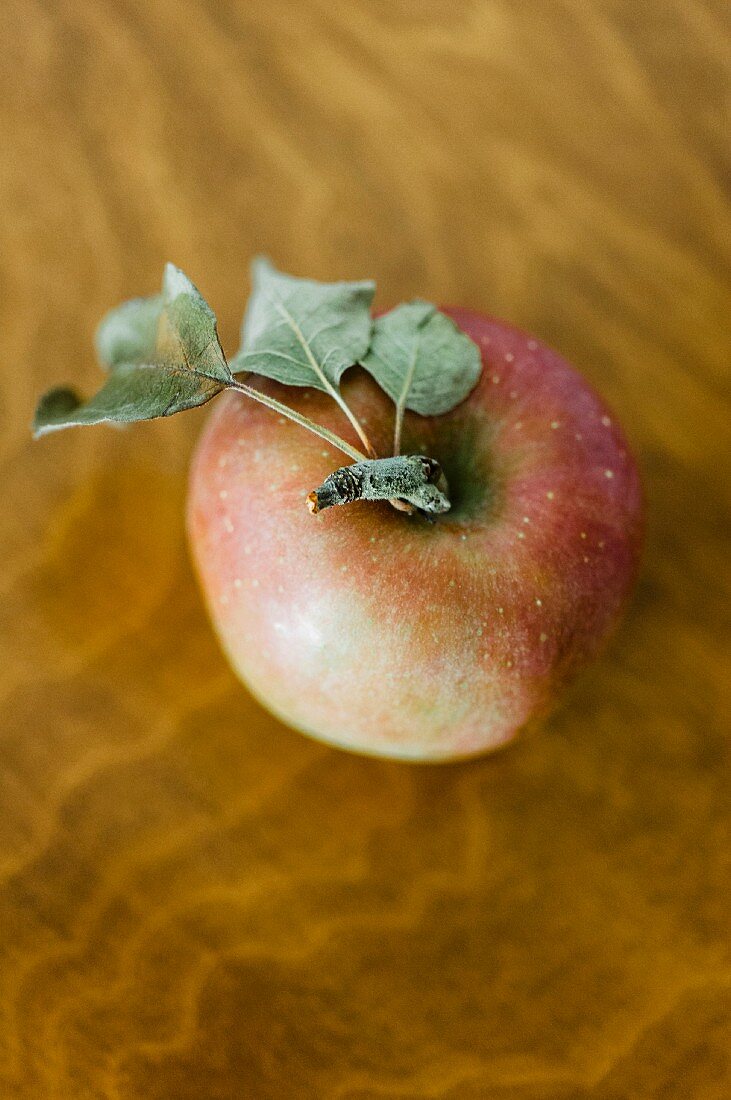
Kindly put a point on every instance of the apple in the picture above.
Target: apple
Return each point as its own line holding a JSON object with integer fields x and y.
{"x": 388, "y": 635}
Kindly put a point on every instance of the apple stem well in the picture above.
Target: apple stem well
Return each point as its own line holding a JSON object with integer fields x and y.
{"x": 163, "y": 356}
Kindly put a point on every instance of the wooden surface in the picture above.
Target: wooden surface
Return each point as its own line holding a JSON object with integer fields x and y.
{"x": 195, "y": 902}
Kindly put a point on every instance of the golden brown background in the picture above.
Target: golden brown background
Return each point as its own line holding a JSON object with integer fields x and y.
{"x": 194, "y": 901}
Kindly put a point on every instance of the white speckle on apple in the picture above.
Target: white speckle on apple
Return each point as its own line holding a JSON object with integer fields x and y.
{"x": 609, "y": 473}
{"x": 606, "y": 421}
{"x": 555, "y": 424}
{"x": 495, "y": 379}
{"x": 228, "y": 525}
{"x": 578, "y": 436}
{"x": 586, "y": 560}
{"x": 484, "y": 340}
{"x": 255, "y": 583}
{"x": 602, "y": 544}
{"x": 257, "y": 455}
{"x": 294, "y": 468}
{"x": 223, "y": 495}
{"x": 526, "y": 519}
{"x": 452, "y": 583}
{"x": 583, "y": 534}
{"x": 479, "y": 632}
{"x": 550, "y": 494}
{"x": 543, "y": 638}
{"x": 539, "y": 603}
{"x": 372, "y": 538}
{"x": 222, "y": 462}
{"x": 508, "y": 664}
{"x": 509, "y": 357}
{"x": 532, "y": 345}
{"x": 463, "y": 537}
{"x": 513, "y": 395}
{"x": 521, "y": 534}
{"x": 518, "y": 425}
{"x": 500, "y": 610}
{"x": 241, "y": 442}
{"x": 247, "y": 549}
{"x": 282, "y": 419}
{"x": 237, "y": 582}
{"x": 324, "y": 454}
{"x": 280, "y": 588}
{"x": 224, "y": 599}
{"x": 343, "y": 569}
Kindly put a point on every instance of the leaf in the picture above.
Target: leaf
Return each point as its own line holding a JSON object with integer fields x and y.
{"x": 133, "y": 392}
{"x": 177, "y": 325}
{"x": 128, "y": 333}
{"x": 187, "y": 328}
{"x": 422, "y": 360}
{"x": 302, "y": 332}
{"x": 164, "y": 357}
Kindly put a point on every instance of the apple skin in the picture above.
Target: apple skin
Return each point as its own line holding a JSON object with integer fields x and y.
{"x": 390, "y": 636}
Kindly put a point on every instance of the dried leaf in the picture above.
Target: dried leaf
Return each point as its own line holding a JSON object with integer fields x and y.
{"x": 302, "y": 332}
{"x": 133, "y": 392}
{"x": 128, "y": 334}
{"x": 163, "y": 354}
{"x": 422, "y": 360}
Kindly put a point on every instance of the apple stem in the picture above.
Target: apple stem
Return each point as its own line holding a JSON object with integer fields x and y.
{"x": 414, "y": 479}
{"x": 399, "y": 505}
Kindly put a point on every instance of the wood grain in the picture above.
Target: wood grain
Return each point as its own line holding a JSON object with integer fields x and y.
{"x": 195, "y": 902}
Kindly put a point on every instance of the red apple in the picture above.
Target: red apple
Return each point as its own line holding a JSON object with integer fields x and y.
{"x": 387, "y": 635}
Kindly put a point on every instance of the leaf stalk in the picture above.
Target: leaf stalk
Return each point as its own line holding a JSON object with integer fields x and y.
{"x": 298, "y": 418}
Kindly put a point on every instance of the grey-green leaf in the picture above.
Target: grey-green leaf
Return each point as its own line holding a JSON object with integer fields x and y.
{"x": 175, "y": 326}
{"x": 128, "y": 333}
{"x": 422, "y": 360}
{"x": 132, "y": 392}
{"x": 163, "y": 354}
{"x": 302, "y": 332}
